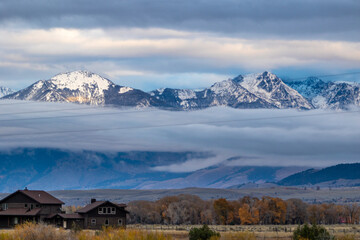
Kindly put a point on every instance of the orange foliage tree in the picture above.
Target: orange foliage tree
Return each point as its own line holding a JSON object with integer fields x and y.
{"x": 272, "y": 210}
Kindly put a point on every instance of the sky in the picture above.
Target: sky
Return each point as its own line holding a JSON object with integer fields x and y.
{"x": 263, "y": 137}
{"x": 171, "y": 43}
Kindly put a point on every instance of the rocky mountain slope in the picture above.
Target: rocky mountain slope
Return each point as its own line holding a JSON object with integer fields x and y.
{"x": 263, "y": 90}
{"x": 5, "y": 91}
{"x": 84, "y": 87}
{"x": 328, "y": 95}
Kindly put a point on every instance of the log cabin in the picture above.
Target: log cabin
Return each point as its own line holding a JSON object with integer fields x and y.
{"x": 39, "y": 206}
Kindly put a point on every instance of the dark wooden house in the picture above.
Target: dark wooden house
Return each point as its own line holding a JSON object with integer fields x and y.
{"x": 27, "y": 205}
{"x": 103, "y": 213}
{"x": 40, "y": 206}
{"x": 93, "y": 216}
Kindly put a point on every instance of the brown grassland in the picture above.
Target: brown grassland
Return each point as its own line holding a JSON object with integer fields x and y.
{"x": 32, "y": 231}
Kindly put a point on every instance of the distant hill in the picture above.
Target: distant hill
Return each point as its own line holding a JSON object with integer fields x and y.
{"x": 333, "y": 173}
{"x": 51, "y": 169}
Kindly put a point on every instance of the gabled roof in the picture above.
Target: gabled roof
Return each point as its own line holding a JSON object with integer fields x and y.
{"x": 96, "y": 204}
{"x": 39, "y": 196}
{"x": 20, "y": 212}
{"x": 90, "y": 206}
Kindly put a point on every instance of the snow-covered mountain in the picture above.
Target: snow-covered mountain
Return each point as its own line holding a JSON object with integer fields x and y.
{"x": 328, "y": 95}
{"x": 262, "y": 90}
{"x": 83, "y": 87}
{"x": 5, "y": 91}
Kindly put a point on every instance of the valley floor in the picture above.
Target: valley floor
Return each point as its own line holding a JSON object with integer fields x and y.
{"x": 248, "y": 232}
{"x": 180, "y": 232}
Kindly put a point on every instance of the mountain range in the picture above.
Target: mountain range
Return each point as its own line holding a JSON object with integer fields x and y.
{"x": 60, "y": 169}
{"x": 262, "y": 90}
{"x": 51, "y": 169}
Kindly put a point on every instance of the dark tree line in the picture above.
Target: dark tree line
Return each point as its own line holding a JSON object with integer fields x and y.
{"x": 190, "y": 209}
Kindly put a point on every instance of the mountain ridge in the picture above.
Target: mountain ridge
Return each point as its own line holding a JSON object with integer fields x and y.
{"x": 261, "y": 90}
{"x": 349, "y": 171}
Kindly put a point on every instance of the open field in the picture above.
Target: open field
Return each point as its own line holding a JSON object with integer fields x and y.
{"x": 336, "y": 195}
{"x": 179, "y": 232}
{"x": 245, "y": 232}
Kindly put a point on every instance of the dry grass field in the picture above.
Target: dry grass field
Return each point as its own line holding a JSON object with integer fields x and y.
{"x": 250, "y": 232}
{"x": 171, "y": 232}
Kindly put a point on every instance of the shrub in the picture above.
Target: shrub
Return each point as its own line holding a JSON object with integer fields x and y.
{"x": 41, "y": 231}
{"x": 203, "y": 233}
{"x": 312, "y": 233}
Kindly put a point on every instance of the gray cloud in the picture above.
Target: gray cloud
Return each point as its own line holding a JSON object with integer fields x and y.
{"x": 295, "y": 18}
{"x": 261, "y": 137}
{"x": 152, "y": 58}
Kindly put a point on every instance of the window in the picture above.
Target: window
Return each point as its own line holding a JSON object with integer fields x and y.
{"x": 26, "y": 205}
{"x": 37, "y": 205}
{"x": 93, "y": 221}
{"x": 107, "y": 210}
{"x": 5, "y": 206}
{"x": 31, "y": 206}
{"x": 119, "y": 221}
{"x": 106, "y": 222}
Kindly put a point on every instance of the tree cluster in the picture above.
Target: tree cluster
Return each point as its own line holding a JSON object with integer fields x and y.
{"x": 190, "y": 209}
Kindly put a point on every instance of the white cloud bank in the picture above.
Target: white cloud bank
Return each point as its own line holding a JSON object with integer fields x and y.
{"x": 257, "y": 137}
{"x": 147, "y": 54}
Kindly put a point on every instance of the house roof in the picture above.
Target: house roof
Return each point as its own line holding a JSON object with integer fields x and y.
{"x": 96, "y": 204}
{"x": 39, "y": 196}
{"x": 66, "y": 216}
{"x": 20, "y": 212}
{"x": 90, "y": 207}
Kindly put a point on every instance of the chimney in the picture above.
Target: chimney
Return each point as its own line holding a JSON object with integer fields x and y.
{"x": 93, "y": 200}
{"x": 25, "y": 189}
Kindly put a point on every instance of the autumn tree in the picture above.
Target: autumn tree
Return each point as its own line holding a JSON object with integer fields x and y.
{"x": 331, "y": 213}
{"x": 272, "y": 210}
{"x": 224, "y": 211}
{"x": 296, "y": 212}
{"x": 352, "y": 213}
{"x": 248, "y": 211}
{"x": 316, "y": 214}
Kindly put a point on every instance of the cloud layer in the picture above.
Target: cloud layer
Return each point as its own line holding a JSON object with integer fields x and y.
{"x": 294, "y": 19}
{"x": 173, "y": 43}
{"x": 247, "y": 137}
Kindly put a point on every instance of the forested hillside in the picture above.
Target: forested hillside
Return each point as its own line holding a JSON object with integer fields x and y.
{"x": 333, "y": 173}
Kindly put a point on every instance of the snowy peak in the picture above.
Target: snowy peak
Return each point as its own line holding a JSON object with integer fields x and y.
{"x": 272, "y": 89}
{"x": 261, "y": 90}
{"x": 85, "y": 88}
{"x": 260, "y": 81}
{"x": 80, "y": 80}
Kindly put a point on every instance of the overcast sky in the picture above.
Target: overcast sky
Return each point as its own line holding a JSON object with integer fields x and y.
{"x": 250, "y": 137}
{"x": 171, "y": 43}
